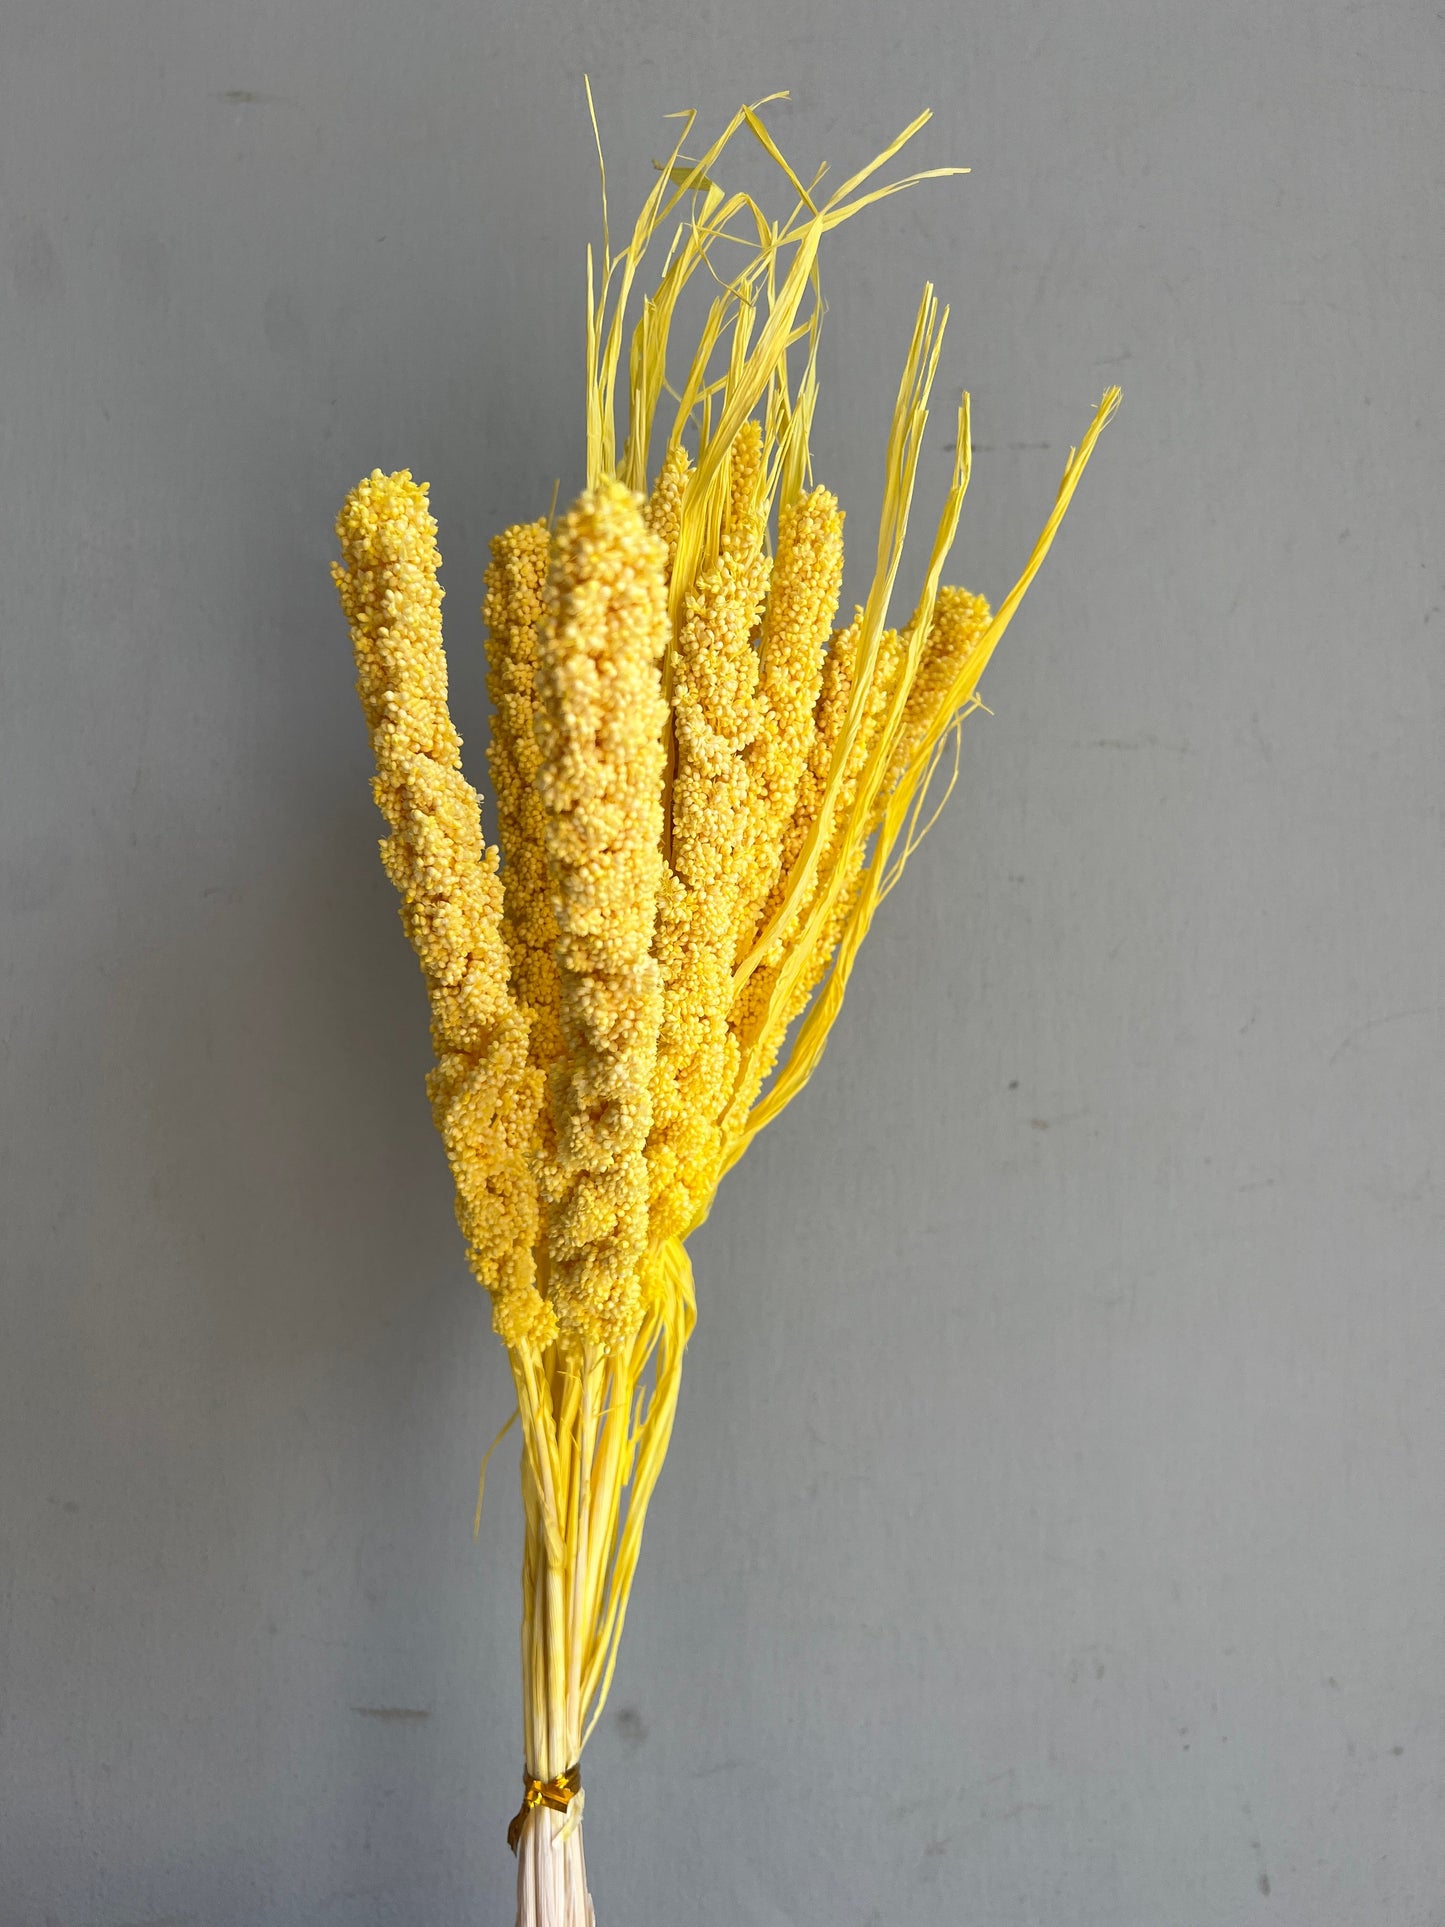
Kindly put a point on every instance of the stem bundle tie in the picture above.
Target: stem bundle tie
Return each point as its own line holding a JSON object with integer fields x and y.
{"x": 557, "y": 1794}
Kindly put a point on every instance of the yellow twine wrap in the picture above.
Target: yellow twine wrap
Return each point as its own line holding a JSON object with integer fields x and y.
{"x": 557, "y": 1794}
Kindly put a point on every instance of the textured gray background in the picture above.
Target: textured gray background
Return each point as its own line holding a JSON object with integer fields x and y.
{"x": 1053, "y": 1529}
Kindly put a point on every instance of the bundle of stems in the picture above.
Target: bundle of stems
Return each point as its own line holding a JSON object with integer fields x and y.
{"x": 705, "y": 786}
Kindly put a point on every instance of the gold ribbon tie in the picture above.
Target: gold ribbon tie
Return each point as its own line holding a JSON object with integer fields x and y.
{"x": 557, "y": 1794}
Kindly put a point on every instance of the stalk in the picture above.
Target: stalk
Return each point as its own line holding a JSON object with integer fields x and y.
{"x": 595, "y": 1430}
{"x": 552, "y": 1874}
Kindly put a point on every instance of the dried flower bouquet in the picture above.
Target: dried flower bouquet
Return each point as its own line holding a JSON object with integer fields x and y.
{"x": 704, "y": 790}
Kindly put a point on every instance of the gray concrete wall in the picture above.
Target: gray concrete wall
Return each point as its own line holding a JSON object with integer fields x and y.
{"x": 1053, "y": 1528}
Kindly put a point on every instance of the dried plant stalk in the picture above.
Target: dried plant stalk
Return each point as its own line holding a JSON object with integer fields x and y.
{"x": 705, "y": 788}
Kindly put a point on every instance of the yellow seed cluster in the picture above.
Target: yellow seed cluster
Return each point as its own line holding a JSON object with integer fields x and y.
{"x": 803, "y": 598}
{"x": 760, "y": 1019}
{"x": 960, "y": 623}
{"x": 600, "y": 718}
{"x": 830, "y": 713}
{"x": 716, "y": 714}
{"x": 664, "y": 506}
{"x": 484, "y": 1096}
{"x": 829, "y": 716}
{"x": 844, "y": 858}
{"x": 515, "y": 583}
{"x": 742, "y": 524}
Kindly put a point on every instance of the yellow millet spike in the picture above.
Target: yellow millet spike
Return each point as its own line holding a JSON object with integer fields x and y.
{"x": 600, "y": 717}
{"x": 742, "y": 516}
{"x": 484, "y": 1097}
{"x": 515, "y": 583}
{"x": 830, "y": 713}
{"x": 802, "y": 601}
{"x": 758, "y": 1022}
{"x": 960, "y": 623}
{"x": 663, "y": 513}
{"x": 716, "y": 715}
